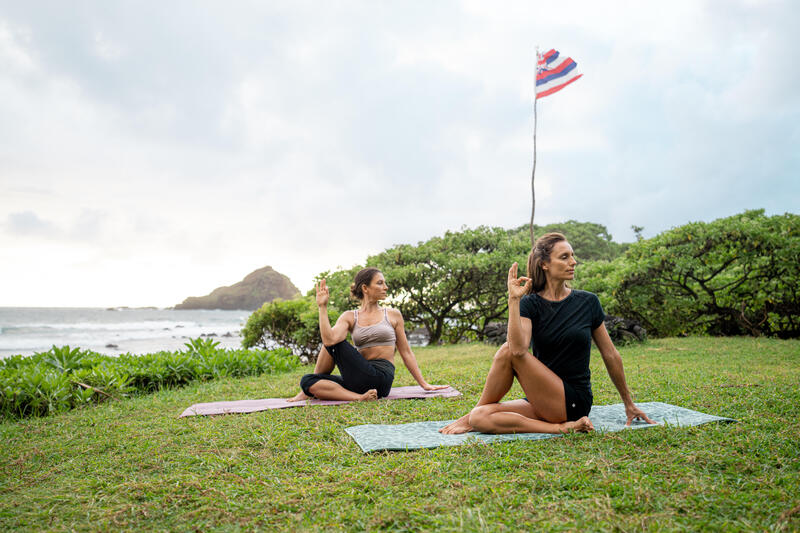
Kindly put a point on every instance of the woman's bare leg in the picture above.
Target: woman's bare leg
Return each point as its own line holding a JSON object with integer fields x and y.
{"x": 544, "y": 390}
{"x": 519, "y": 416}
{"x": 498, "y": 383}
{"x": 324, "y": 365}
{"x": 325, "y": 389}
{"x": 544, "y": 411}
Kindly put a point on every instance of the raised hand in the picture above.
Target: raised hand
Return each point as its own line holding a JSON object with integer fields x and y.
{"x": 323, "y": 295}
{"x": 517, "y": 286}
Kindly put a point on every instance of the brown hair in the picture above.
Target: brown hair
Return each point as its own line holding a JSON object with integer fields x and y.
{"x": 541, "y": 252}
{"x": 364, "y": 277}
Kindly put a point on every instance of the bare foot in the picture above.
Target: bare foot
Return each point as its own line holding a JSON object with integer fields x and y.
{"x": 583, "y": 425}
{"x": 371, "y": 394}
{"x": 301, "y": 397}
{"x": 459, "y": 426}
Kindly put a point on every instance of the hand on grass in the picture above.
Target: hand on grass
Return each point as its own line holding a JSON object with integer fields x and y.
{"x": 634, "y": 413}
{"x": 428, "y": 386}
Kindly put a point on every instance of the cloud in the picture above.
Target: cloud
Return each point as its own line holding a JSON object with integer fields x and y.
{"x": 185, "y": 145}
{"x": 28, "y": 223}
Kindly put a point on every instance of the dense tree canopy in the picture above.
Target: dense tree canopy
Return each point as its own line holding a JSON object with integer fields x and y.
{"x": 453, "y": 285}
{"x": 734, "y": 276}
{"x": 590, "y": 241}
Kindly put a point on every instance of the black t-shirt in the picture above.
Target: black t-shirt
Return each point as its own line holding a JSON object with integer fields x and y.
{"x": 562, "y": 333}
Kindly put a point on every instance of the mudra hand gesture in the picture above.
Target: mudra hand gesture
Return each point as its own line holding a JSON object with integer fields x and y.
{"x": 323, "y": 295}
{"x": 516, "y": 288}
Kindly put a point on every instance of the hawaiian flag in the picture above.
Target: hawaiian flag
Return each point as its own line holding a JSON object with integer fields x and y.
{"x": 554, "y": 72}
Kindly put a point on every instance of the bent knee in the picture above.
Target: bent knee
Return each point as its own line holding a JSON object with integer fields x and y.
{"x": 505, "y": 353}
{"x": 478, "y": 417}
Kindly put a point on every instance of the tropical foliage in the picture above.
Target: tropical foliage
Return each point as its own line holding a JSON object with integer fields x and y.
{"x": 590, "y": 241}
{"x": 290, "y": 323}
{"x": 63, "y": 378}
{"x": 734, "y": 276}
{"x": 453, "y": 285}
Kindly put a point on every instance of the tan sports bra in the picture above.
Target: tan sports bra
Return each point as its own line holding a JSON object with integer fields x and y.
{"x": 380, "y": 334}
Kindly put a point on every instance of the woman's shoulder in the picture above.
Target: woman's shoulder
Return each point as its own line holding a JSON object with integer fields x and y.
{"x": 585, "y": 296}
{"x": 530, "y": 297}
{"x": 394, "y": 316}
{"x": 391, "y": 311}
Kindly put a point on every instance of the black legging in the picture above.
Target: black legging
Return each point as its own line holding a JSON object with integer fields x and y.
{"x": 357, "y": 373}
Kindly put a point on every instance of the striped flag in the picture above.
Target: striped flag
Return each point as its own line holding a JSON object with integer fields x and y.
{"x": 554, "y": 72}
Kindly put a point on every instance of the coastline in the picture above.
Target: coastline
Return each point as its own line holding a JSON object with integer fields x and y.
{"x": 114, "y": 331}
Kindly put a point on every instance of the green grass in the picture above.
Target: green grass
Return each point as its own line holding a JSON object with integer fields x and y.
{"x": 133, "y": 465}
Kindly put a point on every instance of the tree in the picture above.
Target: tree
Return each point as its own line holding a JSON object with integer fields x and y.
{"x": 590, "y": 241}
{"x": 453, "y": 285}
{"x": 733, "y": 276}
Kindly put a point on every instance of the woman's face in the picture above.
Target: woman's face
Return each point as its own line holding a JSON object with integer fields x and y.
{"x": 377, "y": 288}
{"x": 561, "y": 266}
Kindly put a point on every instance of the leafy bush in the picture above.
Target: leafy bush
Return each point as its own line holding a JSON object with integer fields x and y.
{"x": 63, "y": 378}
{"x": 734, "y": 276}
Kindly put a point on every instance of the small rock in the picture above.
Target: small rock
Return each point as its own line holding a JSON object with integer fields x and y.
{"x": 110, "y": 345}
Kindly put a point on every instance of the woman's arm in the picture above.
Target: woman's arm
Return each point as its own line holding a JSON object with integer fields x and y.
{"x": 405, "y": 352}
{"x": 519, "y": 331}
{"x": 613, "y": 361}
{"x": 338, "y": 333}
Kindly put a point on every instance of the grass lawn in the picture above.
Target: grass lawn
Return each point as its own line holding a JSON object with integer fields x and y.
{"x": 133, "y": 465}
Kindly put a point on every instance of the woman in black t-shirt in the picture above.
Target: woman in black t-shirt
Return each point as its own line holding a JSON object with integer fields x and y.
{"x": 558, "y": 324}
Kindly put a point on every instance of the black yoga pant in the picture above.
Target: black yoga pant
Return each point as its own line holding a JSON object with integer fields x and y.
{"x": 357, "y": 373}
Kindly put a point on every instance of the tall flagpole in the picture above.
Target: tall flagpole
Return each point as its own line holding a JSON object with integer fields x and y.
{"x": 533, "y": 172}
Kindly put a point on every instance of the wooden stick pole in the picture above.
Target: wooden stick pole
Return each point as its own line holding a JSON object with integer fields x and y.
{"x": 533, "y": 172}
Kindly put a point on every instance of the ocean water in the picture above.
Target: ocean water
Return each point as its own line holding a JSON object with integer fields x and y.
{"x": 26, "y": 330}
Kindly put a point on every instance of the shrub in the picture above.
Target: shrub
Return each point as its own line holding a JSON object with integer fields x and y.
{"x": 63, "y": 378}
{"x": 293, "y": 324}
{"x": 734, "y": 276}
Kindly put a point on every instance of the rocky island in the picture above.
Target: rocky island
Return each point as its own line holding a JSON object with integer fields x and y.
{"x": 263, "y": 285}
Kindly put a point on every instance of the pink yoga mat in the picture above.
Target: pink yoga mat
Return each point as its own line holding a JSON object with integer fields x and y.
{"x": 251, "y": 406}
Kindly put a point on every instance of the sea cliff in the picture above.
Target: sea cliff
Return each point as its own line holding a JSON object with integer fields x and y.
{"x": 258, "y": 287}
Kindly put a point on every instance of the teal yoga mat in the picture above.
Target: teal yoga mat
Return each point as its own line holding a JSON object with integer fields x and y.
{"x": 606, "y": 418}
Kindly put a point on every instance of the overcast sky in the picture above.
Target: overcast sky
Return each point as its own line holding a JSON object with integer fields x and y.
{"x": 150, "y": 151}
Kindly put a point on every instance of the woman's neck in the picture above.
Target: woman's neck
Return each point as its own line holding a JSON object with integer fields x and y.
{"x": 555, "y": 290}
{"x": 368, "y": 305}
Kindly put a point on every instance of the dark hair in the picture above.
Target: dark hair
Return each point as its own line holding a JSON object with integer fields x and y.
{"x": 364, "y": 277}
{"x": 541, "y": 252}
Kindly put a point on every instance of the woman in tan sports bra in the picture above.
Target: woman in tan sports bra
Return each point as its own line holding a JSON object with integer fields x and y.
{"x": 367, "y": 370}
